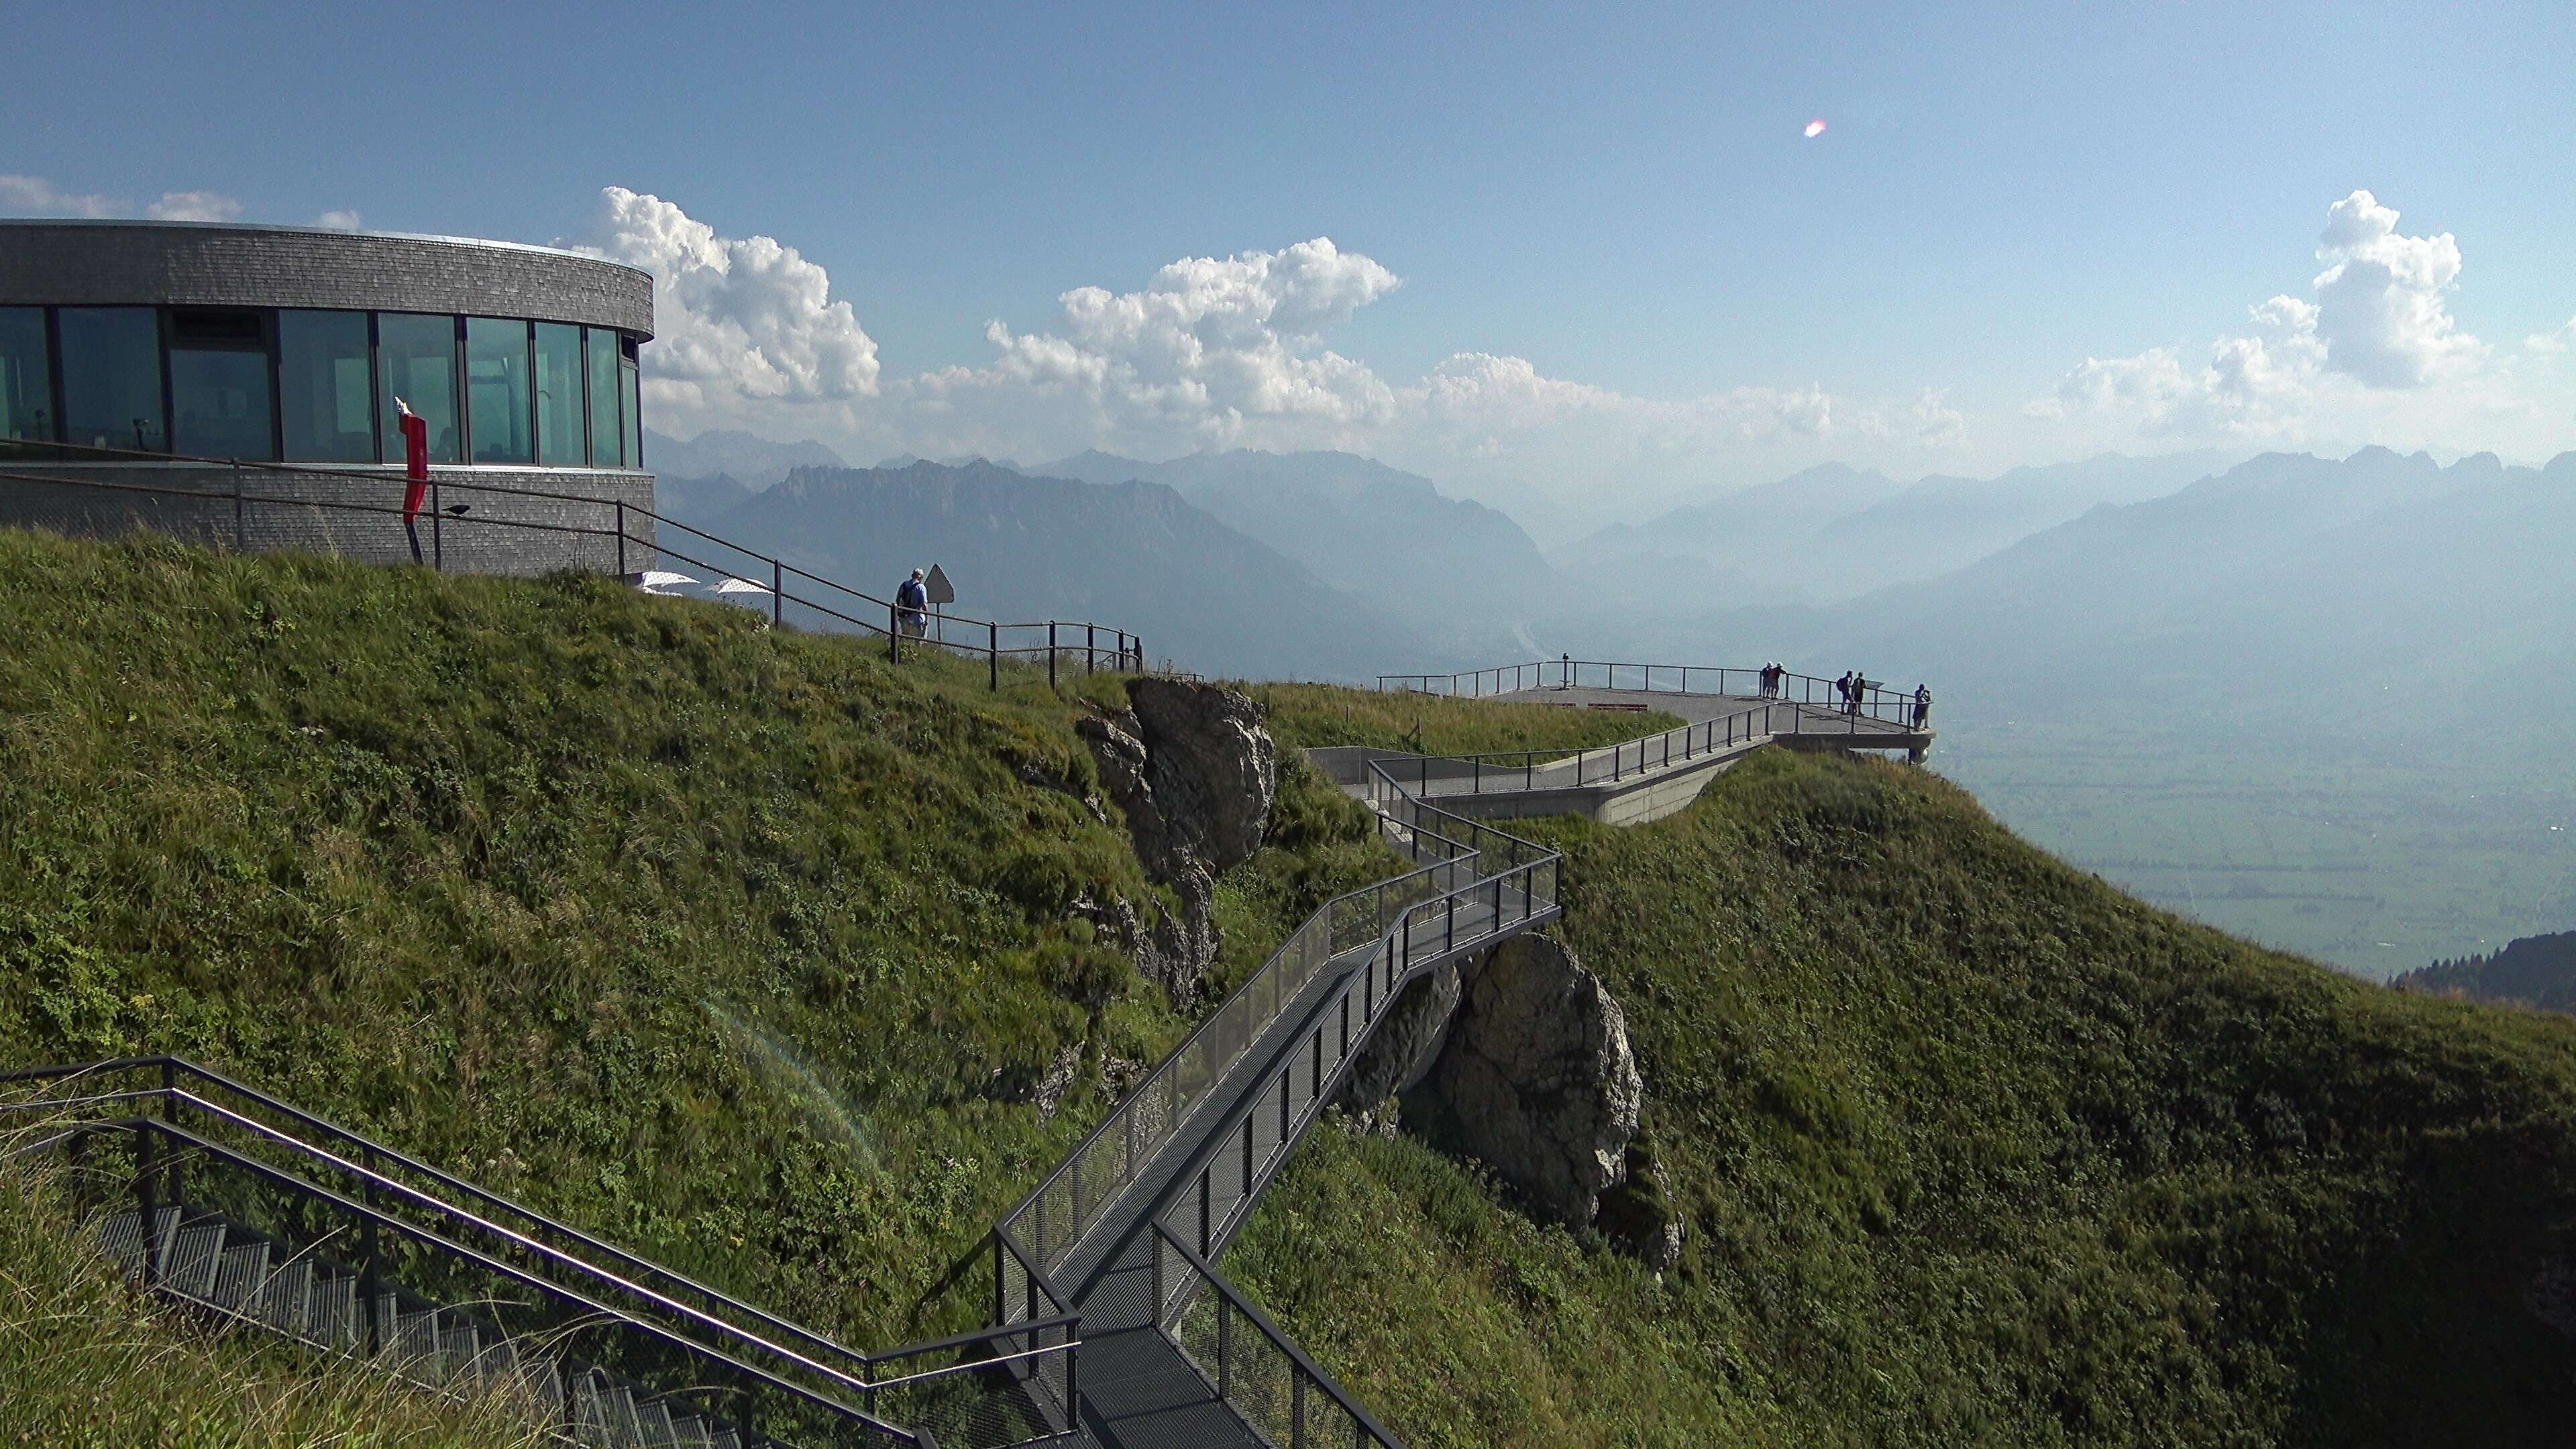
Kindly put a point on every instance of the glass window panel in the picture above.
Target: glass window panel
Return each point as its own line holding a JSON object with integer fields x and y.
{"x": 416, "y": 361}
{"x": 634, "y": 417}
{"x": 560, "y": 439}
{"x": 607, "y": 438}
{"x": 26, "y": 375}
{"x": 323, "y": 387}
{"x": 112, "y": 377}
{"x": 219, "y": 385}
{"x": 497, "y": 387}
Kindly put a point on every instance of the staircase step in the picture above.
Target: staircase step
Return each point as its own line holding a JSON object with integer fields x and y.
{"x": 625, "y": 1424}
{"x": 124, "y": 1241}
{"x": 337, "y": 1322}
{"x": 653, "y": 1423}
{"x": 460, "y": 1346}
{"x": 239, "y": 1275}
{"x": 192, "y": 1260}
{"x": 285, "y": 1300}
{"x": 590, "y": 1409}
{"x": 413, "y": 1340}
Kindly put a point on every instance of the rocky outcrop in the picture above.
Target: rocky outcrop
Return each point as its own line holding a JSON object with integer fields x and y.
{"x": 1195, "y": 772}
{"x": 1538, "y": 1072}
{"x": 1405, "y": 1045}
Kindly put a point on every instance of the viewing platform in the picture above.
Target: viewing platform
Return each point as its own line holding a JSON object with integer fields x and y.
{"x": 1636, "y": 780}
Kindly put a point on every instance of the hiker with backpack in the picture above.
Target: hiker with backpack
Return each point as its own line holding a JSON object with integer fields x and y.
{"x": 912, "y": 604}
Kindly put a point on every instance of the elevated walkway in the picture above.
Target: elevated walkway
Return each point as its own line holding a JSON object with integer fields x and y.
{"x": 1628, "y": 783}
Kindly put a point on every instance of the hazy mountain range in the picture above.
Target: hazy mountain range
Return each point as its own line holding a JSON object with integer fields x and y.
{"x": 1130, "y": 555}
{"x": 1836, "y": 532}
{"x": 1465, "y": 573}
{"x": 752, "y": 462}
{"x": 2316, "y": 701}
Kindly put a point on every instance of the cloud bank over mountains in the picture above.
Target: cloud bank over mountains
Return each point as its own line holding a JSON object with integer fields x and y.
{"x": 2375, "y": 356}
{"x": 1215, "y": 352}
{"x": 1222, "y": 352}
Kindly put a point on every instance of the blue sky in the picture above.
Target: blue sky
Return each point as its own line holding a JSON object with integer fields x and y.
{"x": 1622, "y": 201}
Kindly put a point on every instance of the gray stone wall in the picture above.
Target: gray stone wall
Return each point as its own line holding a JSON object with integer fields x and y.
{"x": 287, "y": 511}
{"x": 182, "y": 264}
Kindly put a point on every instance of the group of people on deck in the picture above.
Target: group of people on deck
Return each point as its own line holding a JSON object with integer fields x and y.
{"x": 1852, "y": 687}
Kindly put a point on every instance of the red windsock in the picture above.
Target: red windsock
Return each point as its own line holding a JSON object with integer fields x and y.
{"x": 415, "y": 431}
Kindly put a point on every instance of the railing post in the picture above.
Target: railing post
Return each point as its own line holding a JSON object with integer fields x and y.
{"x": 1090, "y": 647}
{"x": 777, "y": 593}
{"x": 621, "y": 538}
{"x": 993, "y": 653}
{"x": 147, "y": 1202}
{"x": 1154, "y": 1237}
{"x": 170, "y": 1114}
{"x": 894, "y": 633}
{"x": 437, "y": 535}
{"x": 1001, "y": 1272}
{"x": 1050, "y": 653}
{"x": 1224, "y": 1346}
{"x": 1207, "y": 1191}
{"x": 240, "y": 535}
{"x": 371, "y": 1281}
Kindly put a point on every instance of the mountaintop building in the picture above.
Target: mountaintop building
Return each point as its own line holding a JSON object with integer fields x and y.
{"x": 150, "y": 355}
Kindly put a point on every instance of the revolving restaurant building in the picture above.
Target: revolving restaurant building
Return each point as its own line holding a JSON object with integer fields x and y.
{"x": 179, "y": 342}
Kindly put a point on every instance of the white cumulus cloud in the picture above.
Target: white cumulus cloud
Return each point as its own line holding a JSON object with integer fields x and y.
{"x": 2379, "y": 323}
{"x": 1215, "y": 345}
{"x": 337, "y": 220}
{"x": 738, "y": 321}
{"x": 2380, "y": 310}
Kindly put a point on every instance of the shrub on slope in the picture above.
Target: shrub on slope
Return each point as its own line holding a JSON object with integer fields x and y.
{"x": 1973, "y": 1149}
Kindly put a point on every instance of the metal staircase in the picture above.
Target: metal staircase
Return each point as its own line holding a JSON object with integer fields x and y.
{"x": 1176, "y": 1357}
{"x": 248, "y": 1277}
{"x": 272, "y": 1219}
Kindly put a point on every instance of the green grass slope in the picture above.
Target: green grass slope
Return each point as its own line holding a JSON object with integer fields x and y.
{"x": 1972, "y": 1150}
{"x": 744, "y": 948}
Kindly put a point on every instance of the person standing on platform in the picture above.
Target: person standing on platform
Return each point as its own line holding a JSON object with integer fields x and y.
{"x": 1922, "y": 704}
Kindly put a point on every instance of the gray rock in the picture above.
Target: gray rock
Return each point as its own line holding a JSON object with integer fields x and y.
{"x": 1406, "y": 1043}
{"x": 1212, "y": 764}
{"x": 1195, "y": 772}
{"x": 1540, "y": 1076}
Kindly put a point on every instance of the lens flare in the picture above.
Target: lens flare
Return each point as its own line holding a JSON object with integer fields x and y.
{"x": 1815, "y": 128}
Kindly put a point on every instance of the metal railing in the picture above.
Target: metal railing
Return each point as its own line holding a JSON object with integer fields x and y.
{"x": 200, "y": 1140}
{"x": 1888, "y": 706}
{"x": 1534, "y": 770}
{"x": 1254, "y": 1367}
{"x": 795, "y": 596}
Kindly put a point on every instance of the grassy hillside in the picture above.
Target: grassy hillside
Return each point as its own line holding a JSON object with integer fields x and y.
{"x": 748, "y": 949}
{"x": 744, "y": 948}
{"x": 1973, "y": 1149}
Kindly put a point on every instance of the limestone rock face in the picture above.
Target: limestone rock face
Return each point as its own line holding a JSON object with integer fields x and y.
{"x": 1194, "y": 770}
{"x": 1540, "y": 1075}
{"x": 1406, "y": 1043}
{"x": 1212, "y": 765}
